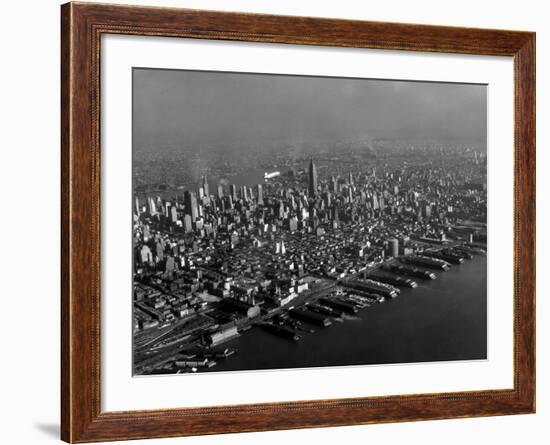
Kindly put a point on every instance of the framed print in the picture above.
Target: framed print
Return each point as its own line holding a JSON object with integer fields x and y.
{"x": 275, "y": 222}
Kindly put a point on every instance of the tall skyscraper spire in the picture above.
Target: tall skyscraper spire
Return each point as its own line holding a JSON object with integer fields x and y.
{"x": 260, "y": 192}
{"x": 312, "y": 185}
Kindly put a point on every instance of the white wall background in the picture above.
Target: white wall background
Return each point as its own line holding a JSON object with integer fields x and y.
{"x": 29, "y": 219}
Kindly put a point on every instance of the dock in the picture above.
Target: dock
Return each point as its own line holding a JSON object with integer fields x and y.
{"x": 310, "y": 317}
{"x": 344, "y": 306}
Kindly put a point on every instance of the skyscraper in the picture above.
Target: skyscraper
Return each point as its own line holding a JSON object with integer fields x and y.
{"x": 260, "y": 194}
{"x": 393, "y": 248}
{"x": 205, "y": 186}
{"x": 152, "y": 207}
{"x": 173, "y": 214}
{"x": 187, "y": 223}
{"x": 312, "y": 186}
{"x": 333, "y": 184}
{"x": 281, "y": 210}
{"x": 191, "y": 207}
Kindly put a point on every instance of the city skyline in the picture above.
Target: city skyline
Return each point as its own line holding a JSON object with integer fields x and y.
{"x": 345, "y": 252}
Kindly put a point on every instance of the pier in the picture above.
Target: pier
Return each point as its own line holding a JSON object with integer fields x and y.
{"x": 310, "y": 317}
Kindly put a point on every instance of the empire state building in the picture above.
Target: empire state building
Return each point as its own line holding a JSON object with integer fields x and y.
{"x": 312, "y": 185}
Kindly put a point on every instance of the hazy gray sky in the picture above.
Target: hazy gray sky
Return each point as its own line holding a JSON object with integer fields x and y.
{"x": 178, "y": 107}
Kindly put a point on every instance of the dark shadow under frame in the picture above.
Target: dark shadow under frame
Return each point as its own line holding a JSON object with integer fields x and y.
{"x": 82, "y": 25}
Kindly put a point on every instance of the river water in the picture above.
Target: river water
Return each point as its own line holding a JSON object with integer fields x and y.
{"x": 440, "y": 320}
{"x": 249, "y": 178}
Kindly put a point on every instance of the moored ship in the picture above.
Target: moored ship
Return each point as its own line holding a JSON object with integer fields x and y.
{"x": 410, "y": 271}
{"x": 281, "y": 331}
{"x": 310, "y": 317}
{"x": 368, "y": 285}
{"x": 450, "y": 257}
{"x": 324, "y": 309}
{"x": 338, "y": 304}
{"x": 395, "y": 280}
{"x": 459, "y": 250}
{"x": 426, "y": 261}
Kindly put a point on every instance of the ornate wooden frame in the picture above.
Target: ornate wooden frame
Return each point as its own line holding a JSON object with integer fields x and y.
{"x": 82, "y": 25}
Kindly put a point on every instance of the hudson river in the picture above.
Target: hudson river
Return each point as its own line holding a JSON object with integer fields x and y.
{"x": 440, "y": 320}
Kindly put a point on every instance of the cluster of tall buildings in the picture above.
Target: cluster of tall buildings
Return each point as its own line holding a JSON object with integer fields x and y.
{"x": 250, "y": 211}
{"x": 403, "y": 200}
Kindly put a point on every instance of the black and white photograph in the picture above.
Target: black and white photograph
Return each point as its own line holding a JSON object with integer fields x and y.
{"x": 276, "y": 222}
{"x": 289, "y": 221}
{"x": 283, "y": 222}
